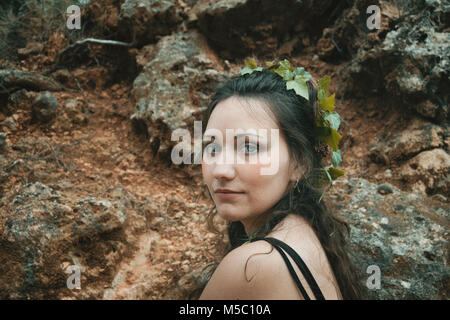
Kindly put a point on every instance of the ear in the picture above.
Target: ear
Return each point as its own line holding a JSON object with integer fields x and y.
{"x": 297, "y": 172}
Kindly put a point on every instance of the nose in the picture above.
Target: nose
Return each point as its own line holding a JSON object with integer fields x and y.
{"x": 224, "y": 171}
{"x": 224, "y": 166}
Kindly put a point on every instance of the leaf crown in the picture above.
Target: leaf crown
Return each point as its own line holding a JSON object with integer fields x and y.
{"x": 327, "y": 119}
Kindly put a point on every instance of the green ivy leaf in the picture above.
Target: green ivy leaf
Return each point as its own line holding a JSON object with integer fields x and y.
{"x": 302, "y": 72}
{"x": 250, "y": 67}
{"x": 245, "y": 70}
{"x": 286, "y": 64}
{"x": 330, "y": 136}
{"x": 335, "y": 173}
{"x": 334, "y": 119}
{"x": 248, "y": 70}
{"x": 328, "y": 104}
{"x": 285, "y": 74}
{"x": 299, "y": 86}
{"x": 284, "y": 70}
{"x": 322, "y": 88}
{"x": 336, "y": 158}
{"x": 333, "y": 140}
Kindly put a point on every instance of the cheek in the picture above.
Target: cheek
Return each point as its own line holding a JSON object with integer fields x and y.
{"x": 265, "y": 187}
{"x": 255, "y": 181}
{"x": 250, "y": 175}
{"x": 206, "y": 173}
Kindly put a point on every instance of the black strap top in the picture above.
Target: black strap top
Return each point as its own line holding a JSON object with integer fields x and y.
{"x": 280, "y": 246}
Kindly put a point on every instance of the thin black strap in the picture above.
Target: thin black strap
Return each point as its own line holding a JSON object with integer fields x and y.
{"x": 302, "y": 266}
{"x": 291, "y": 269}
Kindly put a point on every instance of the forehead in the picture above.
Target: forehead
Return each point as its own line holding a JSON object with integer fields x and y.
{"x": 245, "y": 113}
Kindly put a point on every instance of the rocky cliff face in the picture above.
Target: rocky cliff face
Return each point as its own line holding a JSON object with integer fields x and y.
{"x": 85, "y": 177}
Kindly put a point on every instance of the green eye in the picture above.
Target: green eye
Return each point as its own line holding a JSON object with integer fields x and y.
{"x": 251, "y": 148}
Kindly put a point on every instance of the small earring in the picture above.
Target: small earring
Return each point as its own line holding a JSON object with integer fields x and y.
{"x": 296, "y": 185}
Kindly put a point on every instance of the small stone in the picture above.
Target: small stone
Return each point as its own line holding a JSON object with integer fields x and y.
{"x": 405, "y": 284}
{"x": 385, "y": 188}
{"x": 45, "y": 107}
{"x": 65, "y": 265}
{"x": 179, "y": 214}
{"x": 427, "y": 109}
{"x": 388, "y": 173}
{"x": 185, "y": 268}
{"x": 419, "y": 187}
{"x": 9, "y": 123}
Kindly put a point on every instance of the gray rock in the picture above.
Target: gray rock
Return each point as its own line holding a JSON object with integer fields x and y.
{"x": 432, "y": 168}
{"x": 96, "y": 216}
{"x": 350, "y": 33}
{"x": 411, "y": 63}
{"x": 407, "y": 142}
{"x": 45, "y": 107}
{"x": 174, "y": 87}
{"x": 404, "y": 236}
{"x": 142, "y": 21}
{"x": 40, "y": 229}
{"x": 385, "y": 188}
{"x": 244, "y": 27}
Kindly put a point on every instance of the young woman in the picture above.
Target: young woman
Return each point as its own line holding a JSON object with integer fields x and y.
{"x": 277, "y": 211}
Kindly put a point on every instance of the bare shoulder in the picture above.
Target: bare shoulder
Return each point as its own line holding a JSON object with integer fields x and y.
{"x": 251, "y": 271}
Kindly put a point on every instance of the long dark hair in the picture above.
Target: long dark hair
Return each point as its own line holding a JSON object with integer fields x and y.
{"x": 295, "y": 117}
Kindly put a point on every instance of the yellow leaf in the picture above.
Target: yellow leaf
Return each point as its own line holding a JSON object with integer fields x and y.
{"x": 322, "y": 88}
{"x": 328, "y": 103}
{"x": 333, "y": 139}
{"x": 251, "y": 63}
{"x": 335, "y": 173}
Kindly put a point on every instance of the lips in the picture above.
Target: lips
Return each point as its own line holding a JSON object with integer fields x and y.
{"x": 228, "y": 194}
{"x": 226, "y": 191}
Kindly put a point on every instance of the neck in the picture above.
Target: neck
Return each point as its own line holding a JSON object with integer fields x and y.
{"x": 252, "y": 225}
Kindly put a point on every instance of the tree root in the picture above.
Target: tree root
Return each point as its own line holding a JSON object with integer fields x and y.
{"x": 11, "y": 79}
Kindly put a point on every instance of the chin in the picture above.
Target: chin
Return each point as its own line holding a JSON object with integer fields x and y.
{"x": 229, "y": 214}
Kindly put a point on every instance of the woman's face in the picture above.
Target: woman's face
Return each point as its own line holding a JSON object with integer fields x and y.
{"x": 246, "y": 192}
